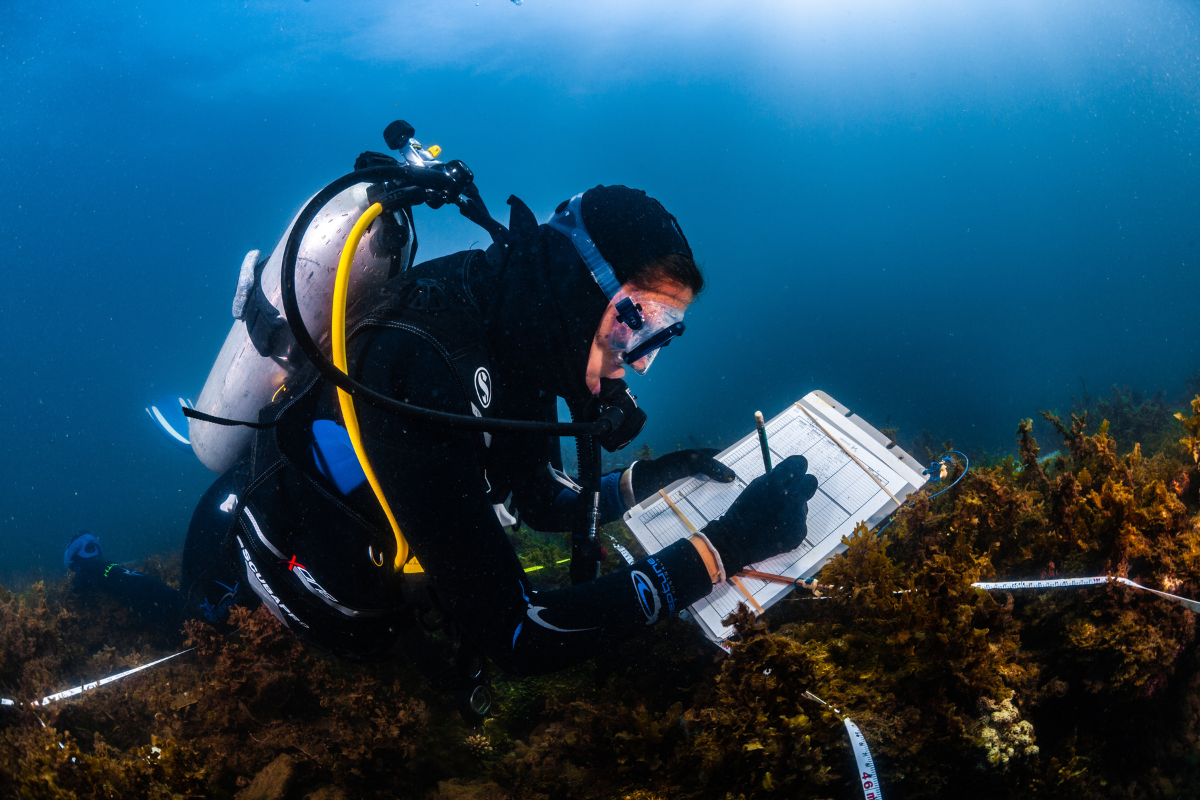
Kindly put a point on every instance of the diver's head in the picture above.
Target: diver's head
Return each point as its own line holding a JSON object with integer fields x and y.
{"x": 661, "y": 300}
{"x": 642, "y": 262}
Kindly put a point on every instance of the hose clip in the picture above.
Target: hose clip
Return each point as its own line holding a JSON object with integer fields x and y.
{"x": 939, "y": 469}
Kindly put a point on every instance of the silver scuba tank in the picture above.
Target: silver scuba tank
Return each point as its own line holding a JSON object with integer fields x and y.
{"x": 258, "y": 353}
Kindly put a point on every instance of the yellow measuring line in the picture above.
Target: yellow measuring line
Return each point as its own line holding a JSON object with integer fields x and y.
{"x": 734, "y": 579}
{"x": 847, "y": 452}
{"x": 556, "y": 563}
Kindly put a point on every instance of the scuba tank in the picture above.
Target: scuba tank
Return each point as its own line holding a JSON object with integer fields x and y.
{"x": 259, "y": 352}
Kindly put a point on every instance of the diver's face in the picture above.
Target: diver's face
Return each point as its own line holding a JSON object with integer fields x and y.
{"x": 602, "y": 361}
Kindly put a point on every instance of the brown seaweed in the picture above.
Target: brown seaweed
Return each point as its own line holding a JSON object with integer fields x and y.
{"x": 1081, "y": 692}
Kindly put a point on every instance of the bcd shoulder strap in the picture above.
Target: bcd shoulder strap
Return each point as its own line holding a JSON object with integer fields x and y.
{"x": 430, "y": 301}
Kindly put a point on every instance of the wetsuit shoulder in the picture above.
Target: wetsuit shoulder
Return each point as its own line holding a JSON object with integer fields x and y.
{"x": 411, "y": 367}
{"x": 422, "y": 341}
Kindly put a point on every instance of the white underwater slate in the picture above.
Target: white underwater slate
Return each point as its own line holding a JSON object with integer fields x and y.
{"x": 846, "y": 495}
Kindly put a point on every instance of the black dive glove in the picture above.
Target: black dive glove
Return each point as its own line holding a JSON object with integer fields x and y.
{"x": 659, "y": 473}
{"x": 767, "y": 519}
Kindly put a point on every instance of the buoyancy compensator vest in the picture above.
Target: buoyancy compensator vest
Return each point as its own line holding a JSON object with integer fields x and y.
{"x": 321, "y": 560}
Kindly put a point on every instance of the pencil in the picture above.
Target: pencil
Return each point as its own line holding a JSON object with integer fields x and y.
{"x": 762, "y": 440}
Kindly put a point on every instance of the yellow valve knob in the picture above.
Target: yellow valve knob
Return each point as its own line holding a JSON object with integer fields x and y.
{"x": 434, "y": 150}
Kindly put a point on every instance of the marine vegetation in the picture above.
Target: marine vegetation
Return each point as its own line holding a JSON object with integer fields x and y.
{"x": 1132, "y": 418}
{"x": 1070, "y": 692}
{"x": 1061, "y": 693}
{"x": 250, "y": 709}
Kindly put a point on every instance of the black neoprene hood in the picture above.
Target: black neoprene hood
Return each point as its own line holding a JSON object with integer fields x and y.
{"x": 631, "y": 228}
{"x": 541, "y": 307}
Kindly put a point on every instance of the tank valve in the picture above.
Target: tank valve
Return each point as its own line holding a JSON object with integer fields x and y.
{"x": 398, "y": 134}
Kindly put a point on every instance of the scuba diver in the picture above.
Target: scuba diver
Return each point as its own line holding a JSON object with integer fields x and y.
{"x": 359, "y": 527}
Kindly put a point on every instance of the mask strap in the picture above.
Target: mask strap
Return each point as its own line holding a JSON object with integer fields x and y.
{"x": 569, "y": 222}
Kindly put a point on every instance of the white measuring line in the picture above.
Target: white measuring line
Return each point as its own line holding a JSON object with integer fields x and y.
{"x": 1054, "y": 583}
{"x": 78, "y": 690}
{"x": 866, "y": 765}
{"x": 858, "y": 743}
{"x": 867, "y": 774}
{"x": 625, "y": 554}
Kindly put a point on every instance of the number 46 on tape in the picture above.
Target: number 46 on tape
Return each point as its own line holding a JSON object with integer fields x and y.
{"x": 866, "y": 765}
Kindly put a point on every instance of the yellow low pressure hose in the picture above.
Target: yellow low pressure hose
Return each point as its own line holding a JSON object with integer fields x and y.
{"x": 341, "y": 288}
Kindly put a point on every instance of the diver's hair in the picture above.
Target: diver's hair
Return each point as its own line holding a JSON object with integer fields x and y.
{"x": 672, "y": 268}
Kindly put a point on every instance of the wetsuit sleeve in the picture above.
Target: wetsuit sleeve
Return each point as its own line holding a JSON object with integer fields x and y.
{"x": 548, "y": 505}
{"x": 436, "y": 487}
{"x": 546, "y": 502}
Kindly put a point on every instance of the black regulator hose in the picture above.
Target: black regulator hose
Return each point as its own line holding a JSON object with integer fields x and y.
{"x": 586, "y": 553}
{"x": 424, "y": 178}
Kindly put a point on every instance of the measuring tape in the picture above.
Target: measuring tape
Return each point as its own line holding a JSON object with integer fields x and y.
{"x": 866, "y": 765}
{"x": 78, "y": 690}
{"x": 867, "y": 775}
{"x": 1055, "y": 583}
{"x": 625, "y": 554}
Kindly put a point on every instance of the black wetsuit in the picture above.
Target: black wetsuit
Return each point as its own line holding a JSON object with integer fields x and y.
{"x": 322, "y": 560}
{"x": 446, "y": 484}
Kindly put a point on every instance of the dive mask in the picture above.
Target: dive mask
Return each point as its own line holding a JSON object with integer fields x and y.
{"x": 641, "y": 328}
{"x": 637, "y": 348}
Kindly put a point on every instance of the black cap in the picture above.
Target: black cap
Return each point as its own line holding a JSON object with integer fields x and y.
{"x": 398, "y": 133}
{"x": 630, "y": 228}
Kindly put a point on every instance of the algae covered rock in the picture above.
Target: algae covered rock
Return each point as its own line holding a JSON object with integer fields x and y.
{"x": 272, "y": 782}
{"x": 251, "y": 714}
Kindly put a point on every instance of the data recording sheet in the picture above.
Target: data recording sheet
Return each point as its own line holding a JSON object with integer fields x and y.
{"x": 862, "y": 488}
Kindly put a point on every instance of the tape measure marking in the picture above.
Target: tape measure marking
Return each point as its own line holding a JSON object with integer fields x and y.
{"x": 867, "y": 775}
{"x": 78, "y": 690}
{"x": 1054, "y": 583}
{"x": 866, "y": 765}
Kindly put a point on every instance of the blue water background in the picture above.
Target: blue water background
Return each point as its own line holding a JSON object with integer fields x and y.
{"x": 945, "y": 214}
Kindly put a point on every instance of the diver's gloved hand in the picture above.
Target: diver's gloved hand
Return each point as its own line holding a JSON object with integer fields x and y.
{"x": 769, "y": 518}
{"x": 647, "y": 477}
{"x": 83, "y": 548}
